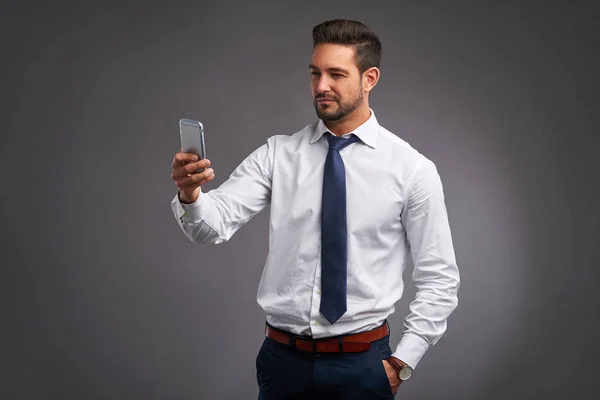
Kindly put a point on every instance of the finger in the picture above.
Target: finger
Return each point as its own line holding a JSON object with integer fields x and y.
{"x": 193, "y": 180}
{"x": 186, "y": 185}
{"x": 178, "y": 171}
{"x": 186, "y": 170}
{"x": 183, "y": 158}
{"x": 197, "y": 179}
{"x": 193, "y": 167}
{"x": 197, "y": 165}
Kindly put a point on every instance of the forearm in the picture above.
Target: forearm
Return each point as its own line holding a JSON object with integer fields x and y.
{"x": 435, "y": 272}
{"x": 216, "y": 215}
{"x": 435, "y": 300}
{"x": 192, "y": 221}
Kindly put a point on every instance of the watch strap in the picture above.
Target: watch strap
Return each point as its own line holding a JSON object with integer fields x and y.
{"x": 396, "y": 363}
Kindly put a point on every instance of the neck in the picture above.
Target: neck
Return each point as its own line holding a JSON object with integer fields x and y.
{"x": 349, "y": 122}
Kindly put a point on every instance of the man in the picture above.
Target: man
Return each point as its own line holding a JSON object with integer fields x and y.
{"x": 351, "y": 206}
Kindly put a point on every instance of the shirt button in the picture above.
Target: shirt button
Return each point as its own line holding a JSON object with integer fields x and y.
{"x": 318, "y": 291}
{"x": 316, "y": 323}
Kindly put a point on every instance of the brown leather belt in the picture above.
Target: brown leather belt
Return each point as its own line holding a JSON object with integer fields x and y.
{"x": 353, "y": 343}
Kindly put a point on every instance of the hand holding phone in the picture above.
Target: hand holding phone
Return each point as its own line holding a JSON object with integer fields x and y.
{"x": 191, "y": 133}
{"x": 190, "y": 166}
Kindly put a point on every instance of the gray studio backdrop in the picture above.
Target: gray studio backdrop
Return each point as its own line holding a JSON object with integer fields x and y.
{"x": 105, "y": 297}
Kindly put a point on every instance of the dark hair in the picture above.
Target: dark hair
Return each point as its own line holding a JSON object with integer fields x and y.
{"x": 367, "y": 47}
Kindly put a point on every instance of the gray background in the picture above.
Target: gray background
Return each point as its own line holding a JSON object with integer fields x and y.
{"x": 105, "y": 298}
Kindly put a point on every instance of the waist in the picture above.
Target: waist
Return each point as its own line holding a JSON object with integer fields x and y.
{"x": 350, "y": 343}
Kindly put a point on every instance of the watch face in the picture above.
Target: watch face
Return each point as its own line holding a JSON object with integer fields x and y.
{"x": 405, "y": 373}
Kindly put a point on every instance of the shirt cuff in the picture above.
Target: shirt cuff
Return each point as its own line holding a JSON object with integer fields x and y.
{"x": 193, "y": 212}
{"x": 411, "y": 349}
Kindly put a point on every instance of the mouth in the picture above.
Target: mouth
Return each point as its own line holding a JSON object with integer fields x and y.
{"x": 325, "y": 101}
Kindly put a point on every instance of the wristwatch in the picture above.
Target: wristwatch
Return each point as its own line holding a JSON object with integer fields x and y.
{"x": 404, "y": 370}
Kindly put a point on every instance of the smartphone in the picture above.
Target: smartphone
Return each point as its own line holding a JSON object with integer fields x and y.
{"x": 192, "y": 138}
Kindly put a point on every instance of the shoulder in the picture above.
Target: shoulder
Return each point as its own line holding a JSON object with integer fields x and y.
{"x": 275, "y": 141}
{"x": 289, "y": 143}
{"x": 278, "y": 145}
{"x": 419, "y": 171}
{"x": 292, "y": 139}
{"x": 401, "y": 150}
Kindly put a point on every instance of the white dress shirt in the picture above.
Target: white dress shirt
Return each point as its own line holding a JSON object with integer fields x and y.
{"x": 396, "y": 218}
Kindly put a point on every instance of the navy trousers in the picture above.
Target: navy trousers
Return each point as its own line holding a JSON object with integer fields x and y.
{"x": 285, "y": 373}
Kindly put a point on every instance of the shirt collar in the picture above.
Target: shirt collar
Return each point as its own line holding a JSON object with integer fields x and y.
{"x": 367, "y": 132}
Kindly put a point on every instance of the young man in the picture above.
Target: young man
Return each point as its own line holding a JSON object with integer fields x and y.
{"x": 351, "y": 206}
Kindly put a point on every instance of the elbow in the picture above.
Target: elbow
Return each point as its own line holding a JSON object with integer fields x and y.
{"x": 439, "y": 285}
{"x": 206, "y": 235}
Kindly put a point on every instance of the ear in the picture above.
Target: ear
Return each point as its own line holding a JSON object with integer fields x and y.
{"x": 370, "y": 78}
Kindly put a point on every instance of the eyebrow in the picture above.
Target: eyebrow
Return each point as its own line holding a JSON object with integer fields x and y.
{"x": 311, "y": 66}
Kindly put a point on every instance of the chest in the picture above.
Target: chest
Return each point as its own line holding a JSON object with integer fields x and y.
{"x": 375, "y": 191}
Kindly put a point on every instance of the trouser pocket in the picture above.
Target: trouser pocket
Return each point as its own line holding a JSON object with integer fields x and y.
{"x": 382, "y": 351}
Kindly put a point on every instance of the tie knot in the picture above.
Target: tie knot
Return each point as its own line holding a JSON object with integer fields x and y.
{"x": 338, "y": 142}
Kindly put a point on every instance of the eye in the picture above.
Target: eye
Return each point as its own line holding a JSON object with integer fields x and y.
{"x": 315, "y": 73}
{"x": 337, "y": 75}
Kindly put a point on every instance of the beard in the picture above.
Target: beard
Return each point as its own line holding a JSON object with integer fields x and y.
{"x": 337, "y": 110}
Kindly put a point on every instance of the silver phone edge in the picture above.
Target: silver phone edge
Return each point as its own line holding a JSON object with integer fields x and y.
{"x": 198, "y": 124}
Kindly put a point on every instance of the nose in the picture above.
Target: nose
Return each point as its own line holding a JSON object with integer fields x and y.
{"x": 323, "y": 85}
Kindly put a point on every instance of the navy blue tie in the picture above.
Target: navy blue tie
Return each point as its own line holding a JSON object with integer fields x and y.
{"x": 333, "y": 231}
